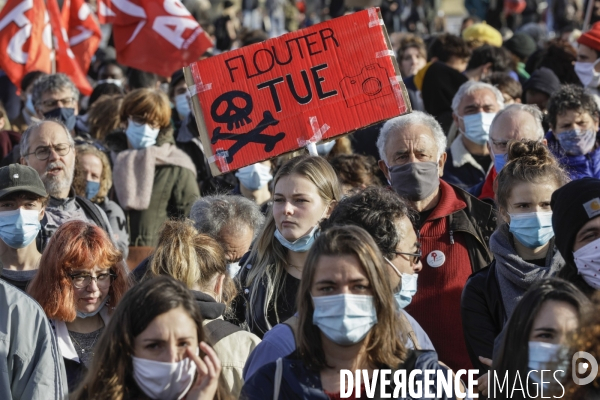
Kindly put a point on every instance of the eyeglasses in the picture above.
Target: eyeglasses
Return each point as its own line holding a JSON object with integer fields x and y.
{"x": 414, "y": 258}
{"x": 43, "y": 152}
{"x": 66, "y": 102}
{"x": 103, "y": 281}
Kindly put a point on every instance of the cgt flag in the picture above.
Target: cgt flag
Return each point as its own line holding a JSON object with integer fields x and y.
{"x": 105, "y": 11}
{"x": 25, "y": 39}
{"x": 65, "y": 59}
{"x": 157, "y": 36}
{"x": 83, "y": 31}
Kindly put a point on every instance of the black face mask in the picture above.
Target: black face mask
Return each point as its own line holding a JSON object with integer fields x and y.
{"x": 65, "y": 115}
{"x": 415, "y": 181}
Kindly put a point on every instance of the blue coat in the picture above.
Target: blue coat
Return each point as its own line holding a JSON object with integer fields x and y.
{"x": 299, "y": 382}
{"x": 577, "y": 166}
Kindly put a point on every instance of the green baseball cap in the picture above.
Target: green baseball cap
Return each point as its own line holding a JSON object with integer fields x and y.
{"x": 20, "y": 178}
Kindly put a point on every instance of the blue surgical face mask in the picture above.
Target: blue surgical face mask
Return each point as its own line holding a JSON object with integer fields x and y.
{"x": 532, "y": 229}
{"x": 91, "y": 189}
{"x": 325, "y": 148}
{"x": 182, "y": 105}
{"x": 81, "y": 314}
{"x": 477, "y": 127}
{"x": 577, "y": 142}
{"x": 29, "y": 105}
{"x": 547, "y": 356}
{"x": 65, "y": 115}
{"x": 18, "y": 228}
{"x": 345, "y": 319}
{"x": 499, "y": 162}
{"x": 141, "y": 136}
{"x": 300, "y": 245}
{"x": 254, "y": 176}
{"x": 408, "y": 285}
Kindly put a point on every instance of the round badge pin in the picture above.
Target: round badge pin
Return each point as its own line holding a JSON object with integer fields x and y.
{"x": 436, "y": 259}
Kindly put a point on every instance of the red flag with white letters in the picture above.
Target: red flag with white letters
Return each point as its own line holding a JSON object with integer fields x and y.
{"x": 83, "y": 31}
{"x": 25, "y": 39}
{"x": 157, "y": 36}
{"x": 105, "y": 11}
{"x": 65, "y": 59}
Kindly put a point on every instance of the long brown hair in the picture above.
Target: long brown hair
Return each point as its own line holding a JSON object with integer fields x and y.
{"x": 192, "y": 258}
{"x": 383, "y": 344}
{"x": 110, "y": 376}
{"x": 268, "y": 255}
{"x": 76, "y": 245}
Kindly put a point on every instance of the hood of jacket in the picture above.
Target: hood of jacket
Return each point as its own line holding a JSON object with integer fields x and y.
{"x": 209, "y": 307}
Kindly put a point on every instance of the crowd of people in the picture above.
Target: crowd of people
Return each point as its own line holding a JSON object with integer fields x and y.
{"x": 462, "y": 235}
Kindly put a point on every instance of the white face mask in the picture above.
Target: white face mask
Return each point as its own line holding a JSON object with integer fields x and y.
{"x": 587, "y": 74}
{"x": 164, "y": 381}
{"x": 587, "y": 260}
{"x": 233, "y": 268}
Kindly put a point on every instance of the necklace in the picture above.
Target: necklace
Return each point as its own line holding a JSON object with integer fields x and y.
{"x": 92, "y": 345}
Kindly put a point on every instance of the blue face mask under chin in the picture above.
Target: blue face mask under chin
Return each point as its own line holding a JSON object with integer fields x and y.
{"x": 300, "y": 245}
{"x": 81, "y": 314}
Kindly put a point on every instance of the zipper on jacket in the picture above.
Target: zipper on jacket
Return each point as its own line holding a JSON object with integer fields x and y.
{"x": 451, "y": 236}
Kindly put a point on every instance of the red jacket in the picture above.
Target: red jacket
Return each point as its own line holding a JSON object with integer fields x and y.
{"x": 454, "y": 241}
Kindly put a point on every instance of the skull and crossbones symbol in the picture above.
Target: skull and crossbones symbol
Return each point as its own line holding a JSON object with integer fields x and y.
{"x": 238, "y": 115}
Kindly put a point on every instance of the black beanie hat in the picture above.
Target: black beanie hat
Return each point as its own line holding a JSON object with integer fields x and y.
{"x": 543, "y": 80}
{"x": 521, "y": 44}
{"x": 573, "y": 205}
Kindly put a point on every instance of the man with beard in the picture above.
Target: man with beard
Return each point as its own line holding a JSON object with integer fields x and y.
{"x": 48, "y": 147}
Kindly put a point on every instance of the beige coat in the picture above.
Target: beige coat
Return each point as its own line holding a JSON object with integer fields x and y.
{"x": 233, "y": 351}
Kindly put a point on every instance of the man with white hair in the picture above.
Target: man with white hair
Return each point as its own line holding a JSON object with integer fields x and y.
{"x": 454, "y": 228}
{"x": 49, "y": 148}
{"x": 474, "y": 107}
{"x": 515, "y": 122}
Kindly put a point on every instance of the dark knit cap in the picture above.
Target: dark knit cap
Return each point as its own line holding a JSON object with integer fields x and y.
{"x": 573, "y": 205}
{"x": 521, "y": 44}
{"x": 543, "y": 80}
{"x": 591, "y": 38}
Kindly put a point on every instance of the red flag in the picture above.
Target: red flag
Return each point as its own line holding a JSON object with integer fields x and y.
{"x": 157, "y": 36}
{"x": 105, "y": 11}
{"x": 65, "y": 59}
{"x": 83, "y": 31}
{"x": 24, "y": 40}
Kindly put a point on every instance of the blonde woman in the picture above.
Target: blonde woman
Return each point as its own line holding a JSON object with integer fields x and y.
{"x": 305, "y": 191}
{"x": 198, "y": 261}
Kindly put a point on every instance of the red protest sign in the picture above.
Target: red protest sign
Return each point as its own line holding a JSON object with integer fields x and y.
{"x": 274, "y": 97}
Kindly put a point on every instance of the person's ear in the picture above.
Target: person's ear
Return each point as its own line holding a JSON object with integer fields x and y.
{"x": 330, "y": 208}
{"x": 22, "y": 161}
{"x": 487, "y": 144}
{"x": 441, "y": 163}
{"x": 384, "y": 168}
{"x": 42, "y": 213}
{"x": 218, "y": 288}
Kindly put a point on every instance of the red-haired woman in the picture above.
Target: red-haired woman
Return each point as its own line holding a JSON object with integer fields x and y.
{"x": 80, "y": 281}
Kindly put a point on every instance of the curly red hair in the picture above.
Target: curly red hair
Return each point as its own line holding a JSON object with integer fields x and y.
{"x": 75, "y": 245}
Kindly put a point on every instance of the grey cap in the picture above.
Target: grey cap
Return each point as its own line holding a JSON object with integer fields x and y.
{"x": 20, "y": 178}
